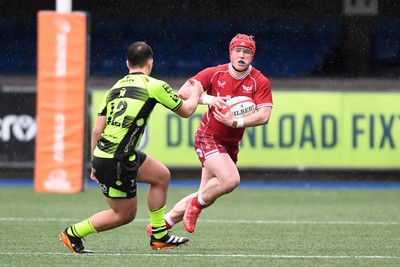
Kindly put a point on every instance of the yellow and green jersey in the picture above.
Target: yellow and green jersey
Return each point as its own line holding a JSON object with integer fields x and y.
{"x": 131, "y": 101}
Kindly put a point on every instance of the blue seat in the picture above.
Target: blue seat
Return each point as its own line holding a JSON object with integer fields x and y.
{"x": 144, "y": 28}
{"x": 289, "y": 27}
{"x": 387, "y": 49}
{"x": 8, "y": 25}
{"x": 325, "y": 27}
{"x": 108, "y": 26}
{"x": 255, "y": 27}
{"x": 279, "y": 44}
{"x": 216, "y": 27}
{"x": 388, "y": 27}
{"x": 386, "y": 40}
{"x": 184, "y": 26}
{"x": 289, "y": 65}
{"x": 5, "y": 62}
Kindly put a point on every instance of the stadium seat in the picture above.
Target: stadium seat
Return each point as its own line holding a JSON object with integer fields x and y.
{"x": 257, "y": 27}
{"x": 325, "y": 27}
{"x": 108, "y": 26}
{"x": 387, "y": 27}
{"x": 181, "y": 26}
{"x": 142, "y": 29}
{"x": 386, "y": 40}
{"x": 387, "y": 49}
{"x": 216, "y": 27}
{"x": 288, "y": 27}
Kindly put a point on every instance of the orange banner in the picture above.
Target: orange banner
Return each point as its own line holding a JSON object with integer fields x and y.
{"x": 61, "y": 94}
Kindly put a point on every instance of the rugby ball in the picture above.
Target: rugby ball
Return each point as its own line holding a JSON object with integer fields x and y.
{"x": 240, "y": 106}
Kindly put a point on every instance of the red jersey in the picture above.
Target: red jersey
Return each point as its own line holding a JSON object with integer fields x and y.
{"x": 219, "y": 81}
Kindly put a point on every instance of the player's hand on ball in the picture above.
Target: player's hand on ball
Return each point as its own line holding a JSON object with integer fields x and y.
{"x": 224, "y": 118}
{"x": 219, "y": 102}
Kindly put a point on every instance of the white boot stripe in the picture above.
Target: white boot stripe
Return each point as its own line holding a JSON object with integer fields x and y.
{"x": 171, "y": 238}
{"x": 174, "y": 239}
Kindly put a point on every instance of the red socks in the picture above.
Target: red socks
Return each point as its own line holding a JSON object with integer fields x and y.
{"x": 195, "y": 202}
{"x": 167, "y": 225}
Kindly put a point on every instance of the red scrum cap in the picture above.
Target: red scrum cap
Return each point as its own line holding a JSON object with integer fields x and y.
{"x": 243, "y": 40}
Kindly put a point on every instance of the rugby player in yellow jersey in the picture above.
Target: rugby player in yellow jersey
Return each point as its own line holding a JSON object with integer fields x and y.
{"x": 117, "y": 164}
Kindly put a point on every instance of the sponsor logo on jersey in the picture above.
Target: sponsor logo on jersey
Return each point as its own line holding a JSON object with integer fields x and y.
{"x": 247, "y": 88}
{"x": 221, "y": 84}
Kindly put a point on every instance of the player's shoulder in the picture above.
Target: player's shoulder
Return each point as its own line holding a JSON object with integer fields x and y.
{"x": 155, "y": 82}
{"x": 217, "y": 71}
{"x": 222, "y": 68}
{"x": 258, "y": 75}
{"x": 150, "y": 79}
{"x": 217, "y": 68}
{"x": 256, "y": 72}
{"x": 157, "y": 85}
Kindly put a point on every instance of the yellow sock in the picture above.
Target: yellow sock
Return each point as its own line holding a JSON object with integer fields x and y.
{"x": 81, "y": 229}
{"x": 157, "y": 222}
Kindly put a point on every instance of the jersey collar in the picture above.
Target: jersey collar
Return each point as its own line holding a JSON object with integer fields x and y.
{"x": 135, "y": 73}
{"x": 236, "y": 77}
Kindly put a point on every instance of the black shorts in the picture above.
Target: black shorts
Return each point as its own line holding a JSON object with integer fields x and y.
{"x": 117, "y": 178}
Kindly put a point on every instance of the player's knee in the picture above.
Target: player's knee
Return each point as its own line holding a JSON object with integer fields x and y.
{"x": 162, "y": 177}
{"x": 129, "y": 219}
{"x": 165, "y": 176}
{"x": 126, "y": 217}
{"x": 230, "y": 185}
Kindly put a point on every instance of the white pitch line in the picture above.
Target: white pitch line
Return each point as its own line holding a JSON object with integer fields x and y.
{"x": 372, "y": 257}
{"x": 218, "y": 221}
{"x": 298, "y": 222}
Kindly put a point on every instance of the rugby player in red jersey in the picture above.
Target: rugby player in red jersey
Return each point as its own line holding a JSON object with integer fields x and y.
{"x": 218, "y": 135}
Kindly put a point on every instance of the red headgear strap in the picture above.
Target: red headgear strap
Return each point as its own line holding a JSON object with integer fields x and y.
{"x": 243, "y": 40}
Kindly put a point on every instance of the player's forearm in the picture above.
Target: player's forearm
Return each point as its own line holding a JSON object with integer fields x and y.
{"x": 189, "y": 106}
{"x": 260, "y": 117}
{"x": 185, "y": 92}
{"x": 95, "y": 139}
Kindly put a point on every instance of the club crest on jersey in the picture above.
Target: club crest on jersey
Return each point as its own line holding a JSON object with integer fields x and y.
{"x": 247, "y": 88}
{"x": 221, "y": 84}
{"x": 122, "y": 92}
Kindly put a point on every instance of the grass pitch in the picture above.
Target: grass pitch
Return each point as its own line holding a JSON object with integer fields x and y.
{"x": 249, "y": 227}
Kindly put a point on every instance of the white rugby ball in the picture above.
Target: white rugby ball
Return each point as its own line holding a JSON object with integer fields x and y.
{"x": 240, "y": 106}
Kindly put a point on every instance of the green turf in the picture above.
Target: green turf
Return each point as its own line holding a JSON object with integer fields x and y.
{"x": 249, "y": 227}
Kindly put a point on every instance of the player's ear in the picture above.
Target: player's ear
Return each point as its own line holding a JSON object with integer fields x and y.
{"x": 127, "y": 64}
{"x": 150, "y": 65}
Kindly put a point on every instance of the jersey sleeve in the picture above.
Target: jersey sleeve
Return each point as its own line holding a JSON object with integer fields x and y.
{"x": 102, "y": 110}
{"x": 166, "y": 96}
{"x": 205, "y": 78}
{"x": 263, "y": 95}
